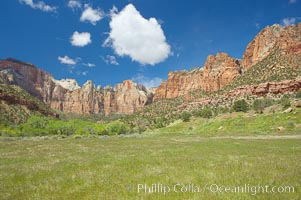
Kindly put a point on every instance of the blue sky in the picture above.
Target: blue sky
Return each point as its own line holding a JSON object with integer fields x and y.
{"x": 110, "y": 41}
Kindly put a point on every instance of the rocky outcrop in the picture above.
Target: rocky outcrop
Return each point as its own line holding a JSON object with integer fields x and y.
{"x": 179, "y": 83}
{"x": 263, "y": 89}
{"x": 126, "y": 98}
{"x": 260, "y": 90}
{"x": 219, "y": 71}
{"x": 68, "y": 97}
{"x": 161, "y": 91}
{"x": 69, "y": 84}
{"x": 85, "y": 100}
{"x": 288, "y": 39}
{"x": 35, "y": 81}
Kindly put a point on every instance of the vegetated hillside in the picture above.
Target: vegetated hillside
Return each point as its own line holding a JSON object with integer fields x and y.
{"x": 274, "y": 68}
{"x": 16, "y": 105}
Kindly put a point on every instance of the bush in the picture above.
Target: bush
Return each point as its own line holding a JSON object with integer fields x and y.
{"x": 285, "y": 102}
{"x": 141, "y": 125}
{"x": 117, "y": 128}
{"x": 260, "y": 104}
{"x": 205, "y": 113}
{"x": 186, "y": 116}
{"x": 240, "y": 106}
{"x": 298, "y": 94}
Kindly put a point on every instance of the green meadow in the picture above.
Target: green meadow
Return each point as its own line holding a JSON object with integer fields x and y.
{"x": 194, "y": 157}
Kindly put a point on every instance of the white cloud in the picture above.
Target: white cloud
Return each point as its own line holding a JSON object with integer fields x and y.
{"x": 110, "y": 60}
{"x": 113, "y": 11}
{"x": 67, "y": 60}
{"x": 39, "y": 5}
{"x": 289, "y": 21}
{"x": 80, "y": 39}
{"x": 85, "y": 73}
{"x": 141, "y": 39}
{"x": 74, "y": 4}
{"x": 147, "y": 82}
{"x": 91, "y": 15}
{"x": 292, "y": 1}
{"x": 89, "y": 64}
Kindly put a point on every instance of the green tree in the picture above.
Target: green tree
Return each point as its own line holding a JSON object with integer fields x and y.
{"x": 186, "y": 116}
{"x": 285, "y": 101}
{"x": 260, "y": 104}
{"x": 205, "y": 113}
{"x": 240, "y": 106}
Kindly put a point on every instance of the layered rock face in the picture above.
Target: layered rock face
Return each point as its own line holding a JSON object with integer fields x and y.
{"x": 217, "y": 72}
{"x": 260, "y": 90}
{"x": 66, "y": 95}
{"x": 126, "y": 98}
{"x": 85, "y": 100}
{"x": 179, "y": 83}
{"x": 221, "y": 69}
{"x": 35, "y": 81}
{"x": 288, "y": 39}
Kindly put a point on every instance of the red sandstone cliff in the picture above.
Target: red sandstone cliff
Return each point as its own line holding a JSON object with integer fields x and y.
{"x": 221, "y": 69}
{"x": 124, "y": 98}
{"x": 288, "y": 39}
{"x": 217, "y": 72}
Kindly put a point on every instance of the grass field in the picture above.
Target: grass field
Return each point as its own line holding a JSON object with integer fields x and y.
{"x": 231, "y": 150}
{"x": 102, "y": 168}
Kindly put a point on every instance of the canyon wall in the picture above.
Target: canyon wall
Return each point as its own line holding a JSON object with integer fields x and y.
{"x": 221, "y": 69}
{"x": 217, "y": 72}
{"x": 68, "y": 97}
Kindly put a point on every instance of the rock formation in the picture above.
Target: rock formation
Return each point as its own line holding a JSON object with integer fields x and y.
{"x": 69, "y": 84}
{"x": 221, "y": 69}
{"x": 179, "y": 83}
{"x": 126, "y": 98}
{"x": 288, "y": 39}
{"x": 68, "y": 97}
{"x": 217, "y": 72}
{"x": 260, "y": 90}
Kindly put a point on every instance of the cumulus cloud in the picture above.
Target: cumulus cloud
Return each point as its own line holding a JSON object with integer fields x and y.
{"x": 74, "y": 4}
{"x": 289, "y": 21}
{"x": 147, "y": 82}
{"x": 110, "y": 60}
{"x": 67, "y": 60}
{"x": 89, "y": 64}
{"x": 91, "y": 15}
{"x": 80, "y": 39}
{"x": 40, "y": 5}
{"x": 141, "y": 39}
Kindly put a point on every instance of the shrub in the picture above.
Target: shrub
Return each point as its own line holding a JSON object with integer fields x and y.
{"x": 186, "y": 116}
{"x": 205, "y": 113}
{"x": 117, "y": 128}
{"x": 285, "y": 101}
{"x": 298, "y": 94}
{"x": 100, "y": 130}
{"x": 240, "y": 106}
{"x": 141, "y": 125}
{"x": 260, "y": 104}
